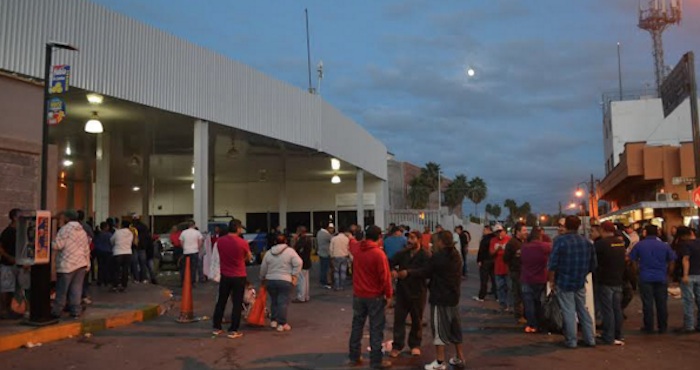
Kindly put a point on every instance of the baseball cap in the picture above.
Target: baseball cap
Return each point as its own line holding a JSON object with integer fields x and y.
{"x": 497, "y": 227}
{"x": 608, "y": 226}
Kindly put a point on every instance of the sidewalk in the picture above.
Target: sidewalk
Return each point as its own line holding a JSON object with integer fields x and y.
{"x": 109, "y": 310}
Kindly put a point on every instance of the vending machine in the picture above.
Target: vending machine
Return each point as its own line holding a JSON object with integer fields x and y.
{"x": 33, "y": 238}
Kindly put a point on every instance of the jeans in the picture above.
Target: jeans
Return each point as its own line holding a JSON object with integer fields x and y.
{"x": 303, "y": 286}
{"x": 280, "y": 293}
{"x": 691, "y": 295}
{"x": 611, "y": 312}
{"x": 361, "y": 309}
{"x": 144, "y": 267}
{"x": 654, "y": 294}
{"x": 233, "y": 287}
{"x": 516, "y": 294}
{"x": 200, "y": 269}
{"x": 340, "y": 265}
{"x": 532, "y": 302}
{"x": 120, "y": 270}
{"x": 486, "y": 275}
{"x": 406, "y": 305}
{"x": 69, "y": 284}
{"x": 104, "y": 267}
{"x": 504, "y": 286}
{"x": 325, "y": 265}
{"x": 194, "y": 262}
{"x": 465, "y": 254}
{"x": 572, "y": 304}
{"x": 135, "y": 265}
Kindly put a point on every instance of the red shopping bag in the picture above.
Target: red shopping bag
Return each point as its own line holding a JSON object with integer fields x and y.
{"x": 256, "y": 317}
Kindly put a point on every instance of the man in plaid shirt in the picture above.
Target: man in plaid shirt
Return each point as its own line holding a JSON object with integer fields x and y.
{"x": 72, "y": 263}
{"x": 572, "y": 258}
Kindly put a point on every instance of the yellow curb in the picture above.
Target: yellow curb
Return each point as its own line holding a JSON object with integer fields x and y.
{"x": 40, "y": 335}
{"x": 66, "y": 330}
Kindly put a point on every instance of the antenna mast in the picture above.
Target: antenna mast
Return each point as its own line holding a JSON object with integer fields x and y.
{"x": 655, "y": 20}
{"x": 308, "y": 51}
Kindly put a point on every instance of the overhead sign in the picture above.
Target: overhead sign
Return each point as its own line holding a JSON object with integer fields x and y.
{"x": 56, "y": 112}
{"x": 60, "y": 79}
{"x": 676, "y": 87}
{"x": 682, "y": 180}
{"x": 696, "y": 196}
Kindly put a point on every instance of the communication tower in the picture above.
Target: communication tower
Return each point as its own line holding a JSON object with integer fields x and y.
{"x": 656, "y": 19}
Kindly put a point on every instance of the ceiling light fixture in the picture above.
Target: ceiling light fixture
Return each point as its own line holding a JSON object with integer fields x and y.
{"x": 193, "y": 170}
{"x": 94, "y": 126}
{"x": 192, "y": 186}
{"x": 95, "y": 98}
{"x": 335, "y": 179}
{"x": 67, "y": 163}
{"x": 68, "y": 151}
{"x": 136, "y": 188}
{"x": 335, "y": 164}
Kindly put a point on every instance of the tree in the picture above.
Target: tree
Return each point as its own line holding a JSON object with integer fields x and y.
{"x": 418, "y": 193}
{"x": 431, "y": 175}
{"x": 477, "y": 191}
{"x": 512, "y": 207}
{"x": 456, "y": 191}
{"x": 496, "y": 211}
{"x": 488, "y": 210}
{"x": 524, "y": 210}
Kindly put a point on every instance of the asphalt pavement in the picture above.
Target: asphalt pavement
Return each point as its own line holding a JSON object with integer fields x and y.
{"x": 319, "y": 339}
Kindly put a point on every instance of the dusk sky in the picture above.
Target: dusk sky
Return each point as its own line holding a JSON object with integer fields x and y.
{"x": 529, "y": 122}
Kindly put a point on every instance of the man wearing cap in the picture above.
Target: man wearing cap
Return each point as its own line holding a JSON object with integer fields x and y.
{"x": 611, "y": 253}
{"x": 572, "y": 258}
{"x": 72, "y": 263}
{"x": 497, "y": 249}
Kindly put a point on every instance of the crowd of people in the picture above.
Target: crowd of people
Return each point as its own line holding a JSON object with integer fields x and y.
{"x": 525, "y": 268}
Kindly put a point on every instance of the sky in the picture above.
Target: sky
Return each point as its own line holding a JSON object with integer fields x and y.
{"x": 529, "y": 122}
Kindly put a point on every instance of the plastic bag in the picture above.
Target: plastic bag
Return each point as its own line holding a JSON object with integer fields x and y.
{"x": 256, "y": 316}
{"x": 552, "y": 320}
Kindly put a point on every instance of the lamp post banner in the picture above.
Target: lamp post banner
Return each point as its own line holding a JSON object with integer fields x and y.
{"x": 60, "y": 78}
{"x": 56, "y": 111}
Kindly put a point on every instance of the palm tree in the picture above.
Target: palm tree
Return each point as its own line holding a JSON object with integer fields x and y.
{"x": 418, "y": 193}
{"x": 512, "y": 209}
{"x": 456, "y": 191}
{"x": 477, "y": 191}
{"x": 488, "y": 210}
{"x": 431, "y": 175}
{"x": 524, "y": 210}
{"x": 496, "y": 211}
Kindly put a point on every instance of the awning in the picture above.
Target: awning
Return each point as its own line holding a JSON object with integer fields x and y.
{"x": 653, "y": 205}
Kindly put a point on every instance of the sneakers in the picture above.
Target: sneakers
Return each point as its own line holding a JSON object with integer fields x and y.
{"x": 87, "y": 301}
{"x": 415, "y": 351}
{"x": 435, "y": 366}
{"x": 457, "y": 362}
{"x": 394, "y": 353}
{"x": 234, "y": 335}
{"x": 477, "y": 299}
{"x": 217, "y": 332}
{"x": 285, "y": 327}
{"x": 273, "y": 324}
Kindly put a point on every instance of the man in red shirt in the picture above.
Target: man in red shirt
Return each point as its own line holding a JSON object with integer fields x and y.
{"x": 372, "y": 290}
{"x": 233, "y": 254}
{"x": 503, "y": 282}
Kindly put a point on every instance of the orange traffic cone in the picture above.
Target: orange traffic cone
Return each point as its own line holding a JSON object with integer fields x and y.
{"x": 186, "y": 309}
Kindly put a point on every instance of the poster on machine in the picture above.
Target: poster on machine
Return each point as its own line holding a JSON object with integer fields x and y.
{"x": 42, "y": 238}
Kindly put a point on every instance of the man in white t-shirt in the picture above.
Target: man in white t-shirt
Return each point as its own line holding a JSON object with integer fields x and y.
{"x": 191, "y": 240}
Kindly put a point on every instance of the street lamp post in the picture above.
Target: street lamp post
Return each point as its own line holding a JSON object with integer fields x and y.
{"x": 40, "y": 308}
